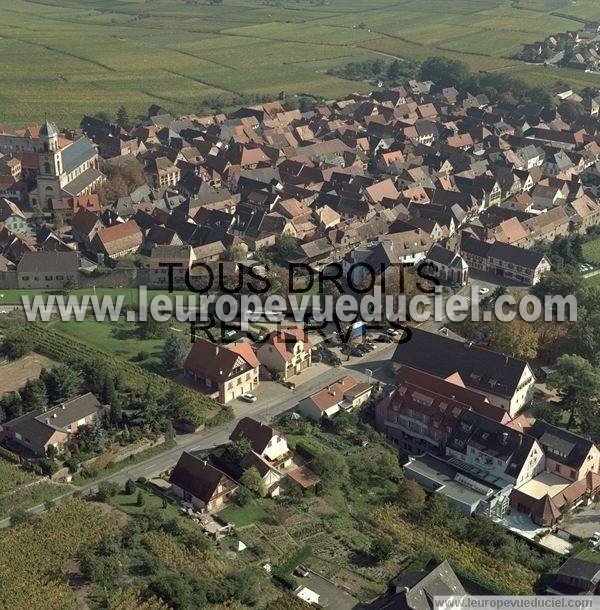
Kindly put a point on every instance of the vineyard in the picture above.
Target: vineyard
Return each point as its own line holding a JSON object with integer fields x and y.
{"x": 12, "y": 476}
{"x": 34, "y": 556}
{"x": 65, "y": 349}
{"x": 502, "y": 577}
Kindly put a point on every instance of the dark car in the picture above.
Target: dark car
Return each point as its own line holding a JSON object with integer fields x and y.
{"x": 384, "y": 339}
{"x": 357, "y": 352}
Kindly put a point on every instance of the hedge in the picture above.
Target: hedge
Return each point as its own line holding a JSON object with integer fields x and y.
{"x": 9, "y": 455}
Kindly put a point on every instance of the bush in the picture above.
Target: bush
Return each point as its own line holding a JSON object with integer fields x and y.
{"x": 130, "y": 487}
{"x": 48, "y": 466}
{"x": 72, "y": 464}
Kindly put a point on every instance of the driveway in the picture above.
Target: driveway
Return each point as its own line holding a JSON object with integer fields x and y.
{"x": 583, "y": 522}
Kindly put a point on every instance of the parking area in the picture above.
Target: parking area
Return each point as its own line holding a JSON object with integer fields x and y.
{"x": 583, "y": 521}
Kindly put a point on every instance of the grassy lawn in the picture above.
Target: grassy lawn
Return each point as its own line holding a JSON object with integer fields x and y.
{"x": 119, "y": 339}
{"x": 593, "y": 281}
{"x": 130, "y": 295}
{"x": 589, "y": 555}
{"x": 243, "y": 515}
{"x": 128, "y": 503}
{"x": 591, "y": 251}
{"x": 80, "y": 57}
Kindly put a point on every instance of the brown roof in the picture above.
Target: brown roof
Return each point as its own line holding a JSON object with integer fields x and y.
{"x": 197, "y": 477}
{"x": 333, "y": 394}
{"x": 215, "y": 362}
{"x": 285, "y": 340}
{"x": 120, "y": 237}
{"x": 304, "y": 476}
{"x": 256, "y": 432}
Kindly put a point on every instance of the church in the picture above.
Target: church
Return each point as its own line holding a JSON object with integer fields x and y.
{"x": 65, "y": 171}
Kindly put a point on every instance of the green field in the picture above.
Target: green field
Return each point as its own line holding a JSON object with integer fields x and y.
{"x": 70, "y": 57}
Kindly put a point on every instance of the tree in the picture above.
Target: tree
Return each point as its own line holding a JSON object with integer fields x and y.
{"x": 253, "y": 481}
{"x": 122, "y": 117}
{"x": 140, "y": 499}
{"x": 578, "y": 384}
{"x": 285, "y": 245}
{"x": 62, "y": 383}
{"x": 152, "y": 329}
{"x": 444, "y": 72}
{"x": 237, "y": 252}
{"x": 244, "y": 496}
{"x": 516, "y": 338}
{"x": 239, "y": 449}
{"x": 34, "y": 395}
{"x": 130, "y": 487}
{"x": 16, "y": 345}
{"x": 394, "y": 71}
{"x": 387, "y": 466}
{"x": 382, "y": 548}
{"x": 175, "y": 350}
{"x": 331, "y": 466}
{"x": 570, "y": 110}
{"x": 411, "y": 495}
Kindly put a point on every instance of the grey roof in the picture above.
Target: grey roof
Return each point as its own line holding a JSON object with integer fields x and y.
{"x": 480, "y": 369}
{"x": 580, "y": 569}
{"x": 443, "y": 256}
{"x": 37, "y": 427}
{"x": 513, "y": 254}
{"x": 70, "y": 411}
{"x": 49, "y": 262}
{"x": 81, "y": 182}
{"x": 47, "y": 130}
{"x": 440, "y": 476}
{"x": 77, "y": 153}
{"x": 561, "y": 445}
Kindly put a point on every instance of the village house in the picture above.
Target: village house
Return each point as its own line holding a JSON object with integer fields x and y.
{"x": 48, "y": 270}
{"x": 269, "y": 444}
{"x": 225, "y": 372}
{"x": 420, "y": 413}
{"x": 285, "y": 352}
{"x": 346, "y": 394}
{"x": 13, "y": 218}
{"x": 505, "y": 260}
{"x": 507, "y": 382}
{"x": 116, "y": 241}
{"x": 571, "y": 475}
{"x": 38, "y": 431}
{"x": 196, "y": 481}
{"x": 166, "y": 260}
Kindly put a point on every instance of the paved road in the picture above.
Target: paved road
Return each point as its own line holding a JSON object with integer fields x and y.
{"x": 273, "y": 399}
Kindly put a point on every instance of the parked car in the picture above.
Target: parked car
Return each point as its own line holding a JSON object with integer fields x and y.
{"x": 483, "y": 290}
{"x": 357, "y": 352}
{"x": 392, "y": 332}
{"x": 362, "y": 347}
{"x": 595, "y": 539}
{"x": 248, "y": 397}
{"x": 290, "y": 385}
{"x": 384, "y": 339}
